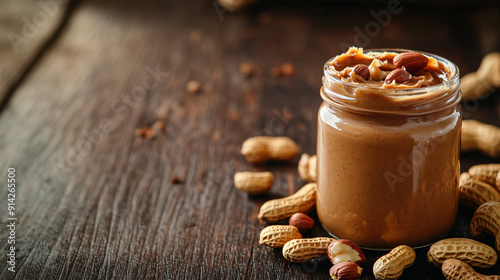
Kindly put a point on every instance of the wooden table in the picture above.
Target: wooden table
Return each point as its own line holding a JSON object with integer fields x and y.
{"x": 94, "y": 201}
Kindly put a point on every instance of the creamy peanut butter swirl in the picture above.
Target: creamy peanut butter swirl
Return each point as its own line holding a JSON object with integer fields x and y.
{"x": 380, "y": 65}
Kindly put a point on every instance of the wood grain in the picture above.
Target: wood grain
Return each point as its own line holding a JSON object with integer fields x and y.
{"x": 26, "y": 27}
{"x": 97, "y": 202}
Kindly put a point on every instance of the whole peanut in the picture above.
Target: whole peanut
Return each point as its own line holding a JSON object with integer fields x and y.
{"x": 463, "y": 178}
{"x": 472, "y": 252}
{"x": 476, "y": 84}
{"x": 454, "y": 269}
{"x": 313, "y": 168}
{"x": 308, "y": 168}
{"x": 473, "y": 192}
{"x": 391, "y": 265}
{"x": 301, "y": 201}
{"x": 253, "y": 182}
{"x": 261, "y": 149}
{"x": 300, "y": 250}
{"x": 480, "y": 136}
{"x": 276, "y": 236}
{"x": 485, "y": 172}
{"x": 487, "y": 219}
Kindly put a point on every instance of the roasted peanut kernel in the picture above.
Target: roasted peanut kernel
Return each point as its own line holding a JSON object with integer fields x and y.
{"x": 398, "y": 76}
{"x": 301, "y": 221}
{"x": 363, "y": 71}
{"x": 411, "y": 61}
{"x": 343, "y": 250}
{"x": 345, "y": 271}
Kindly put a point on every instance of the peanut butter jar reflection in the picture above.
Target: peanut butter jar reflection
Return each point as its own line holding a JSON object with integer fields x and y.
{"x": 388, "y": 147}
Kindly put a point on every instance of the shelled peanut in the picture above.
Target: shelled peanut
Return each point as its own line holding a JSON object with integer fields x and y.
{"x": 308, "y": 169}
{"x": 472, "y": 252}
{"x": 301, "y": 221}
{"x": 476, "y": 84}
{"x": 277, "y": 209}
{"x": 480, "y": 136}
{"x": 345, "y": 271}
{"x": 262, "y": 149}
{"x": 454, "y": 269}
{"x": 391, "y": 265}
{"x": 253, "y": 182}
{"x": 344, "y": 250}
{"x": 347, "y": 259}
{"x": 487, "y": 219}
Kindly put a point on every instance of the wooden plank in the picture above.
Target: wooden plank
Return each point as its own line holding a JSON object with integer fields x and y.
{"x": 96, "y": 202}
{"x": 25, "y": 28}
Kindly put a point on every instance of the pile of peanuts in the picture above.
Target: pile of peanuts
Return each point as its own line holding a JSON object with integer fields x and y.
{"x": 479, "y": 188}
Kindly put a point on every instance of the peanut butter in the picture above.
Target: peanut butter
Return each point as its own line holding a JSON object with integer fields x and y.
{"x": 388, "y": 152}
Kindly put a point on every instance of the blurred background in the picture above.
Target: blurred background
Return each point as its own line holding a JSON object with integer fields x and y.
{"x": 124, "y": 121}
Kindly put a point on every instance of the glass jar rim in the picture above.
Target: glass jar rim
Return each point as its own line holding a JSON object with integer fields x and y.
{"x": 452, "y": 86}
{"x": 454, "y": 68}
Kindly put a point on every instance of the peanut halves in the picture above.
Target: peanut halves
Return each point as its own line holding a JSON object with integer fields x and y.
{"x": 301, "y": 201}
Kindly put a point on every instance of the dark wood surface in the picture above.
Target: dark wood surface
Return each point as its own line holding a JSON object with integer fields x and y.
{"x": 26, "y": 28}
{"x": 94, "y": 201}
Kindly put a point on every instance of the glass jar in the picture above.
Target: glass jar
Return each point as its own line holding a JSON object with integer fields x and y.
{"x": 389, "y": 160}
